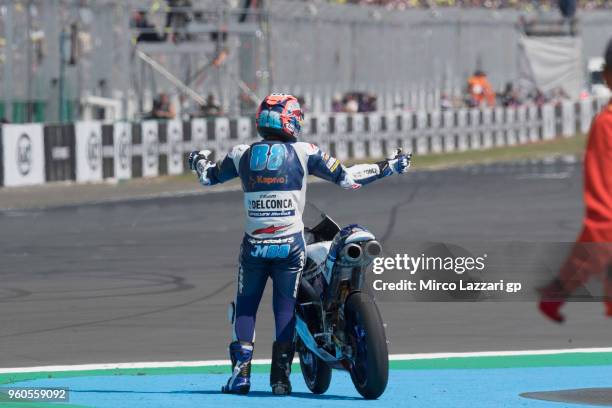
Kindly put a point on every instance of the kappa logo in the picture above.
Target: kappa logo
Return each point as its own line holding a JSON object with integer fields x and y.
{"x": 24, "y": 154}
{"x": 266, "y": 180}
{"x": 94, "y": 150}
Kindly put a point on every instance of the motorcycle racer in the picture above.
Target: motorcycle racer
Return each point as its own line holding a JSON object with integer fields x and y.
{"x": 273, "y": 173}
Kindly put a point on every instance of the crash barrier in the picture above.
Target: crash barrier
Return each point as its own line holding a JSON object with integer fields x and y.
{"x": 94, "y": 151}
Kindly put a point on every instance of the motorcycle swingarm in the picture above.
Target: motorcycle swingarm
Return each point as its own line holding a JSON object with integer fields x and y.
{"x": 310, "y": 343}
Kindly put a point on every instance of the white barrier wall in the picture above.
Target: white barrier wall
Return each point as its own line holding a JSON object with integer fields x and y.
{"x": 222, "y": 143}
{"x": 548, "y": 122}
{"x": 88, "y": 142}
{"x": 243, "y": 130}
{"x": 23, "y": 154}
{"x": 90, "y": 151}
{"x": 122, "y": 149}
{"x": 150, "y": 149}
{"x": 174, "y": 146}
{"x": 358, "y": 141}
{"x": 586, "y": 115}
{"x": 198, "y": 134}
{"x": 376, "y": 135}
{"x": 340, "y": 129}
{"x": 568, "y": 119}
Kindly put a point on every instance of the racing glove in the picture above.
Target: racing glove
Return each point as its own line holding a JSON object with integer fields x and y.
{"x": 397, "y": 165}
{"x": 198, "y": 162}
{"x": 348, "y": 182}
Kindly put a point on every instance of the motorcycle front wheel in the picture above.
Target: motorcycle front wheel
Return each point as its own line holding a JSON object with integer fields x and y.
{"x": 370, "y": 368}
{"x": 317, "y": 374}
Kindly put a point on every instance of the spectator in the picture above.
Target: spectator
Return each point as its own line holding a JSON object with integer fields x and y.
{"x": 368, "y": 103}
{"x": 147, "y": 32}
{"x": 351, "y": 105}
{"x": 445, "y": 102}
{"x": 480, "y": 89}
{"x": 510, "y": 96}
{"x": 337, "y": 105}
{"x": 177, "y": 19}
{"x": 162, "y": 108}
{"x": 558, "y": 94}
{"x": 526, "y": 5}
{"x": 211, "y": 108}
{"x": 245, "y": 13}
{"x": 538, "y": 97}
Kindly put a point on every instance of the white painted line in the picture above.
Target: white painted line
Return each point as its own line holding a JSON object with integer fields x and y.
{"x": 208, "y": 363}
{"x": 499, "y": 353}
{"x": 114, "y": 366}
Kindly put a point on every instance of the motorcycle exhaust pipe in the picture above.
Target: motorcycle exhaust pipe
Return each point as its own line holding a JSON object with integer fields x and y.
{"x": 372, "y": 249}
{"x": 352, "y": 252}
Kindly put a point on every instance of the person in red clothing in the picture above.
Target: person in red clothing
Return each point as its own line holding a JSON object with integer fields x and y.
{"x": 591, "y": 256}
{"x": 480, "y": 89}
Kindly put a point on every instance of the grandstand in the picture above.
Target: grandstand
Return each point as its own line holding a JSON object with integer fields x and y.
{"x": 110, "y": 59}
{"x": 527, "y": 5}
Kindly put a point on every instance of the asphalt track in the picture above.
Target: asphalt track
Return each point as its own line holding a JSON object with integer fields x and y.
{"x": 150, "y": 280}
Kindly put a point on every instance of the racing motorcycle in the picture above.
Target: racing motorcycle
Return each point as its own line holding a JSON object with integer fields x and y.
{"x": 338, "y": 325}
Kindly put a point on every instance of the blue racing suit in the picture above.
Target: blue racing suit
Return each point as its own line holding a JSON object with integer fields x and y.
{"x": 274, "y": 177}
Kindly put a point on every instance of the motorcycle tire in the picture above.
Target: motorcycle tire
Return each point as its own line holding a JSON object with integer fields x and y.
{"x": 317, "y": 374}
{"x": 370, "y": 368}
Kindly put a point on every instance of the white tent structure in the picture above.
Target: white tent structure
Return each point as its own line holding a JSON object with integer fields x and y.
{"x": 551, "y": 62}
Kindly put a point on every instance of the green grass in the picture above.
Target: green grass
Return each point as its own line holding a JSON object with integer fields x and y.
{"x": 573, "y": 146}
{"x": 562, "y": 146}
{"x": 558, "y": 147}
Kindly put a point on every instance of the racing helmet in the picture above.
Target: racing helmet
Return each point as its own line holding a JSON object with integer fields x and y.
{"x": 279, "y": 117}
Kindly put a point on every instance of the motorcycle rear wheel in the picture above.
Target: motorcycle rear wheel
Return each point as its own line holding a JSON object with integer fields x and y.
{"x": 317, "y": 374}
{"x": 370, "y": 369}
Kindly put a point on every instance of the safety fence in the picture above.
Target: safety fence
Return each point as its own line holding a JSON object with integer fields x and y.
{"x": 94, "y": 151}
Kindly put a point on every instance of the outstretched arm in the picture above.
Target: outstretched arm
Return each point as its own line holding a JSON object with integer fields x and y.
{"x": 328, "y": 168}
{"x": 210, "y": 173}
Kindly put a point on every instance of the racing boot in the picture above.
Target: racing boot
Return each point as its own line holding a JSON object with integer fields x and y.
{"x": 282, "y": 357}
{"x": 241, "y": 353}
{"x": 550, "y": 309}
{"x": 552, "y": 298}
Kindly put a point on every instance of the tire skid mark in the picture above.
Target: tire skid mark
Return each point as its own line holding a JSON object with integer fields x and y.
{"x": 124, "y": 317}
